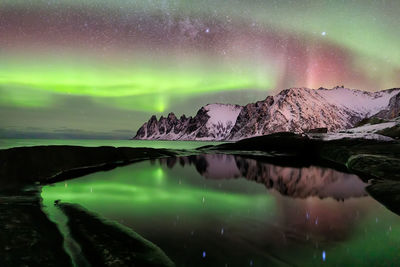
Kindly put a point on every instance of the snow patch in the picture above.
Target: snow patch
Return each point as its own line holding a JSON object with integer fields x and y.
{"x": 366, "y": 103}
{"x": 368, "y": 131}
{"x": 336, "y": 136}
{"x": 371, "y": 128}
{"x": 222, "y": 113}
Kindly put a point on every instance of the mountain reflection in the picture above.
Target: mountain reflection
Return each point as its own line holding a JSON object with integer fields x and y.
{"x": 297, "y": 182}
{"x": 209, "y": 203}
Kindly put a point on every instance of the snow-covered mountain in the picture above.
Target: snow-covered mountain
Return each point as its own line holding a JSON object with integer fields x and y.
{"x": 212, "y": 122}
{"x": 295, "y": 110}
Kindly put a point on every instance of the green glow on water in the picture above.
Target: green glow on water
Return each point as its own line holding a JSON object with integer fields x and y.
{"x": 152, "y": 190}
{"x": 234, "y": 217}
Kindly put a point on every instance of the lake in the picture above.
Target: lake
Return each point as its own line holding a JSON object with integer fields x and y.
{"x": 225, "y": 210}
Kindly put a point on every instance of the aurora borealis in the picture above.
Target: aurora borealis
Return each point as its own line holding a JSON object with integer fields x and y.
{"x": 105, "y": 66}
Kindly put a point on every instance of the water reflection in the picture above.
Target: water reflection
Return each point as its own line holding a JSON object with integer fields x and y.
{"x": 218, "y": 210}
{"x": 295, "y": 220}
{"x": 295, "y": 182}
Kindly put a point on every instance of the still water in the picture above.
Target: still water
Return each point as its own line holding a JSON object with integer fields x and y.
{"x": 225, "y": 210}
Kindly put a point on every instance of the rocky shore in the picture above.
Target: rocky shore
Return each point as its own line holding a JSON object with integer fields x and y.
{"x": 24, "y": 170}
{"x": 23, "y": 166}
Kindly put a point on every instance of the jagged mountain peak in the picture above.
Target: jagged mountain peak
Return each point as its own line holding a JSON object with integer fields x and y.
{"x": 171, "y": 116}
{"x": 293, "y": 109}
{"x": 211, "y": 122}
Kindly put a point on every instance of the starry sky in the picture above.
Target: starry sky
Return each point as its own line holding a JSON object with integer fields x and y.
{"x": 102, "y": 68}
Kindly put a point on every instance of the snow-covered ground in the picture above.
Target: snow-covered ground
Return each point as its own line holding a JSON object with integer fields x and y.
{"x": 366, "y": 103}
{"x": 336, "y": 136}
{"x": 367, "y": 131}
{"x": 371, "y": 128}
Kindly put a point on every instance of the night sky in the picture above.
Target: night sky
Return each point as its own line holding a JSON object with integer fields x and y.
{"x": 100, "y": 66}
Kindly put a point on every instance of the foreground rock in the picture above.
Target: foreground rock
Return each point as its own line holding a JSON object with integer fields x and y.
{"x": 386, "y": 192}
{"x": 368, "y": 158}
{"x": 22, "y": 166}
{"x": 28, "y": 237}
{"x": 110, "y": 244}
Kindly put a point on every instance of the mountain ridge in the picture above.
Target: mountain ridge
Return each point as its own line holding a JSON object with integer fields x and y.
{"x": 295, "y": 110}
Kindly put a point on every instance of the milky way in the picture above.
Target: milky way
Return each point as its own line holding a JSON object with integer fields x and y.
{"x": 107, "y": 65}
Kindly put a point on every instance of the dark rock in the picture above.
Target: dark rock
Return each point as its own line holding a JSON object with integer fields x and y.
{"x": 196, "y": 123}
{"x": 380, "y": 166}
{"x": 106, "y": 243}
{"x": 367, "y": 158}
{"x": 26, "y": 165}
{"x": 141, "y": 132}
{"x": 386, "y": 192}
{"x": 393, "y": 109}
{"x": 393, "y": 132}
{"x": 172, "y": 117}
{"x": 318, "y": 130}
{"x": 28, "y": 237}
{"x": 372, "y": 120}
{"x": 285, "y": 142}
{"x": 152, "y": 124}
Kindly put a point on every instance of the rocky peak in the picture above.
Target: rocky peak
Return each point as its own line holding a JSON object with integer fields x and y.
{"x": 293, "y": 110}
{"x": 393, "y": 109}
{"x": 171, "y": 116}
{"x": 153, "y": 118}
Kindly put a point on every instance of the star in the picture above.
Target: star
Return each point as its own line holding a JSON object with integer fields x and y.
{"x": 207, "y": 30}
{"x": 323, "y": 33}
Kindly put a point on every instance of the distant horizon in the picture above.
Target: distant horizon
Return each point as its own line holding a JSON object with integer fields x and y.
{"x": 115, "y": 134}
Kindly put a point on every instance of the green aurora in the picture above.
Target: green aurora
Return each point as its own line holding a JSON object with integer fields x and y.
{"x": 63, "y": 64}
{"x": 148, "y": 87}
